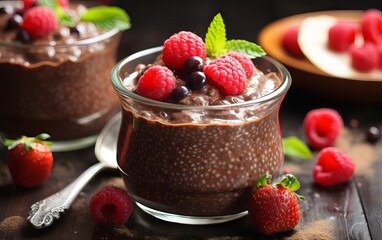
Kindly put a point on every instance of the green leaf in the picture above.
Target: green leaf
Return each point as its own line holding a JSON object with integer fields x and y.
{"x": 252, "y": 50}
{"x": 290, "y": 182}
{"x": 264, "y": 181}
{"x": 48, "y": 3}
{"x": 294, "y": 147}
{"x": 216, "y": 37}
{"x": 106, "y": 17}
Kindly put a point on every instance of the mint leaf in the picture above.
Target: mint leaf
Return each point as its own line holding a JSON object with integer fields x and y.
{"x": 48, "y": 3}
{"x": 252, "y": 50}
{"x": 106, "y": 17}
{"x": 216, "y": 37}
{"x": 294, "y": 147}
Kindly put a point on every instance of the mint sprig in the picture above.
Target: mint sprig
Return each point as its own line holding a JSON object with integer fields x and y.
{"x": 105, "y": 17}
{"x": 294, "y": 147}
{"x": 216, "y": 37}
{"x": 217, "y": 43}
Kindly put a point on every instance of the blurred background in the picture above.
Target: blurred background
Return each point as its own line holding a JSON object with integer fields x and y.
{"x": 154, "y": 21}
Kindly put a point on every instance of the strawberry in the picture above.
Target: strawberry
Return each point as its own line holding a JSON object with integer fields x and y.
{"x": 274, "y": 208}
{"x": 29, "y": 160}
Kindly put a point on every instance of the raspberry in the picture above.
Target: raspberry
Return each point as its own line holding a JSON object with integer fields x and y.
{"x": 181, "y": 46}
{"x": 245, "y": 62}
{"x": 332, "y": 167}
{"x": 29, "y": 3}
{"x": 371, "y": 24}
{"x": 39, "y": 21}
{"x": 156, "y": 83}
{"x": 322, "y": 127}
{"x": 289, "y": 41}
{"x": 379, "y": 51}
{"x": 63, "y": 3}
{"x": 341, "y": 36}
{"x": 110, "y": 206}
{"x": 227, "y": 75}
{"x": 365, "y": 57}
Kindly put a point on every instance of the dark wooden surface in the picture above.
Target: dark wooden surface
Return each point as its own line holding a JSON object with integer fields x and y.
{"x": 348, "y": 211}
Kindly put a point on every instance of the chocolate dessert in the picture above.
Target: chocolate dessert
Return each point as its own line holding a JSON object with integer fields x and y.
{"x": 57, "y": 83}
{"x": 198, "y": 129}
{"x": 200, "y": 160}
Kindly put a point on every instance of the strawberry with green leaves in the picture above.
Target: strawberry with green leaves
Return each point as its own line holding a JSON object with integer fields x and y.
{"x": 29, "y": 160}
{"x": 274, "y": 208}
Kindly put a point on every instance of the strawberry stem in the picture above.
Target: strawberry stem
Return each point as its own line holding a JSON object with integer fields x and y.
{"x": 264, "y": 181}
{"x": 27, "y": 141}
{"x": 290, "y": 182}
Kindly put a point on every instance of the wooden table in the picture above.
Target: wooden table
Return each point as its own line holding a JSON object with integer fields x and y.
{"x": 349, "y": 211}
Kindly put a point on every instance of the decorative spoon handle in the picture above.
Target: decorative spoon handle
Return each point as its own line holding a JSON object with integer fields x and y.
{"x": 44, "y": 212}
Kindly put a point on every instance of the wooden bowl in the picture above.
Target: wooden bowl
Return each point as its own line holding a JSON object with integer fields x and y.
{"x": 310, "y": 78}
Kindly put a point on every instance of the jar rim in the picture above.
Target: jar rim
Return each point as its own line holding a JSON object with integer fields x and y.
{"x": 121, "y": 89}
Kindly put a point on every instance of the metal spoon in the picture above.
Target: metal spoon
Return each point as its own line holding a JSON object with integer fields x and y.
{"x": 44, "y": 212}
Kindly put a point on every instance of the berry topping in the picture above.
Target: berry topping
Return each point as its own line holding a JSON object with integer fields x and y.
{"x": 322, "y": 127}
{"x": 14, "y": 22}
{"x": 289, "y": 42}
{"x": 341, "y": 36}
{"x": 371, "y": 24}
{"x": 227, "y": 75}
{"x": 364, "y": 58}
{"x": 332, "y": 167}
{"x": 74, "y": 30}
{"x": 274, "y": 208}
{"x": 179, "y": 93}
{"x": 193, "y": 64}
{"x": 29, "y": 160}
{"x": 156, "y": 83}
{"x": 40, "y": 21}
{"x": 29, "y": 3}
{"x": 181, "y": 46}
{"x": 63, "y": 3}
{"x": 23, "y": 36}
{"x": 245, "y": 62}
{"x": 373, "y": 134}
{"x": 110, "y": 206}
{"x": 196, "y": 80}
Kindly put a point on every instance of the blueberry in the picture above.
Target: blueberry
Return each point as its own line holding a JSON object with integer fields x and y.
{"x": 196, "y": 80}
{"x": 74, "y": 30}
{"x": 14, "y": 22}
{"x": 373, "y": 134}
{"x": 179, "y": 93}
{"x": 193, "y": 64}
{"x": 23, "y": 36}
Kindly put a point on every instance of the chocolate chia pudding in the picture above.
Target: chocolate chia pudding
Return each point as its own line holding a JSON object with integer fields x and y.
{"x": 56, "y": 84}
{"x": 199, "y": 157}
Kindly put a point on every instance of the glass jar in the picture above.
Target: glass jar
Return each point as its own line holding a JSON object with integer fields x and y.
{"x": 196, "y": 164}
{"x": 59, "y": 89}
